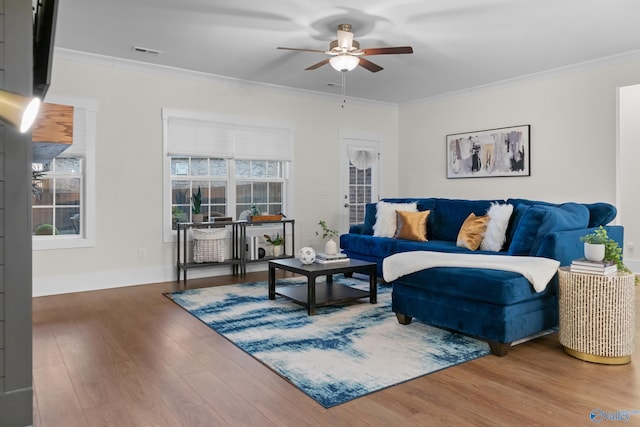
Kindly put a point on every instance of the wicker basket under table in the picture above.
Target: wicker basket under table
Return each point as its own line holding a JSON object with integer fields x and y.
{"x": 597, "y": 316}
{"x": 208, "y": 245}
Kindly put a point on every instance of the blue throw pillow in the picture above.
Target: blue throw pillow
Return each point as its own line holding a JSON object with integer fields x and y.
{"x": 369, "y": 218}
{"x": 601, "y": 213}
{"x": 517, "y": 215}
{"x": 539, "y": 220}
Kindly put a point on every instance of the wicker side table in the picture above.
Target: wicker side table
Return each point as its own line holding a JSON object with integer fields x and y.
{"x": 597, "y": 316}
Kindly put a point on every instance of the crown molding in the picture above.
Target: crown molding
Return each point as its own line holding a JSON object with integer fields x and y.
{"x": 129, "y": 64}
{"x": 145, "y": 67}
{"x": 594, "y": 64}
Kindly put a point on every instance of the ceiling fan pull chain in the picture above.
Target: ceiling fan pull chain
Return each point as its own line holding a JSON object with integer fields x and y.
{"x": 344, "y": 88}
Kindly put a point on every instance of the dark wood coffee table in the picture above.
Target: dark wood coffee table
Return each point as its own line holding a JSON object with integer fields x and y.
{"x": 316, "y": 295}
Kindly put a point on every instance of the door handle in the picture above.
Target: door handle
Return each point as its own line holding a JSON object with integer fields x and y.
{"x": 346, "y": 205}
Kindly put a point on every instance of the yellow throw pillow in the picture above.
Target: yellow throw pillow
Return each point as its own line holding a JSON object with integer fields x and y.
{"x": 472, "y": 231}
{"x": 411, "y": 225}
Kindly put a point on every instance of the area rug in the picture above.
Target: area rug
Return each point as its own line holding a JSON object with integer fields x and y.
{"x": 342, "y": 352}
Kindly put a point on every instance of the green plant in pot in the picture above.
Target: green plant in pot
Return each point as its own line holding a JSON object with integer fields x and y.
{"x": 330, "y": 247}
{"x": 611, "y": 250}
{"x": 196, "y": 203}
{"x": 277, "y": 241}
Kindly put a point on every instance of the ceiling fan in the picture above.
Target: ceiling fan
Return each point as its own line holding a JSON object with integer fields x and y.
{"x": 347, "y": 55}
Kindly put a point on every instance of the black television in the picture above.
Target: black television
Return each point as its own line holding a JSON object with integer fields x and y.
{"x": 45, "y": 14}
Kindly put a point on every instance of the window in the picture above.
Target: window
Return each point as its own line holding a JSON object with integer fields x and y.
{"x": 235, "y": 165}
{"x": 56, "y": 199}
{"x": 259, "y": 183}
{"x": 188, "y": 174}
{"x": 63, "y": 180}
{"x": 256, "y": 182}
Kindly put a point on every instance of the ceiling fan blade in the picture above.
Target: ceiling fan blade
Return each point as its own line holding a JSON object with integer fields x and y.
{"x": 301, "y": 50}
{"x": 365, "y": 63}
{"x": 388, "y": 50}
{"x": 318, "y": 65}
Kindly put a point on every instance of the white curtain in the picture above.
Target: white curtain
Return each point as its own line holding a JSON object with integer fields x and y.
{"x": 361, "y": 158}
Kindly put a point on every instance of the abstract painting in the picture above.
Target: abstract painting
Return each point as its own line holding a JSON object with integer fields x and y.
{"x": 489, "y": 153}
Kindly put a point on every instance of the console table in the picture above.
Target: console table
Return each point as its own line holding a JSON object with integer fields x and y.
{"x": 238, "y": 259}
{"x": 597, "y": 316}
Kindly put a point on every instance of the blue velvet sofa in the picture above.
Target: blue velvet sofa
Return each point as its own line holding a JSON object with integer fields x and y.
{"x": 498, "y": 306}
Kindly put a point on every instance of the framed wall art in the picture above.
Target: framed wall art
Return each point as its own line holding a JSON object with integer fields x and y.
{"x": 489, "y": 153}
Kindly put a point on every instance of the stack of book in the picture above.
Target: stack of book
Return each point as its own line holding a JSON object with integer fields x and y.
{"x": 603, "y": 268}
{"x": 323, "y": 258}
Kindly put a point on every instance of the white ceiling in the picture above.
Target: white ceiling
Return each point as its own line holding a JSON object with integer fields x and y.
{"x": 458, "y": 44}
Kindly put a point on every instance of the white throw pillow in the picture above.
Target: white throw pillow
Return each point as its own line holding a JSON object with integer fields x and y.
{"x": 496, "y": 233}
{"x": 385, "y": 225}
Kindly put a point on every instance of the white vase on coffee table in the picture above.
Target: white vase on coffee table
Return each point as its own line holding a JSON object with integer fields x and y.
{"x": 331, "y": 247}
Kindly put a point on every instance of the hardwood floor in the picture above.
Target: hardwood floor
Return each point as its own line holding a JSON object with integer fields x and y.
{"x": 131, "y": 357}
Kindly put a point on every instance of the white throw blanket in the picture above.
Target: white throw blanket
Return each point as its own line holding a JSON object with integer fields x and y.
{"x": 537, "y": 270}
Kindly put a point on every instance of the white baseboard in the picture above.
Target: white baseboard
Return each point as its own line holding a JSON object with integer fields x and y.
{"x": 93, "y": 281}
{"x": 633, "y": 264}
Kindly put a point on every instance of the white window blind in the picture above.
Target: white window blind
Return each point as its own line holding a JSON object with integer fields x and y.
{"x": 262, "y": 143}
{"x": 202, "y": 137}
{"x": 199, "y": 138}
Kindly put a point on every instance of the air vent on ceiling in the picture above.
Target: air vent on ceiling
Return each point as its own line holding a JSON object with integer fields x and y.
{"x": 146, "y": 50}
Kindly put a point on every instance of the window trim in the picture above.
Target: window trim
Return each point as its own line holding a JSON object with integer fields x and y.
{"x": 88, "y": 205}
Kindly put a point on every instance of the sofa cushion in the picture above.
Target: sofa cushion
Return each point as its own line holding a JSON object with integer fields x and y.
{"x": 411, "y": 225}
{"x": 357, "y": 229}
{"x": 536, "y": 221}
{"x": 601, "y": 213}
{"x": 491, "y": 286}
{"x": 472, "y": 231}
{"x": 370, "y": 245}
{"x": 516, "y": 216}
{"x": 369, "y": 218}
{"x": 435, "y": 246}
{"x": 385, "y": 225}
{"x": 449, "y": 214}
{"x": 426, "y": 204}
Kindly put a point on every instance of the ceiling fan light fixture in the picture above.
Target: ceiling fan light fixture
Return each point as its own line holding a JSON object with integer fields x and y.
{"x": 344, "y": 62}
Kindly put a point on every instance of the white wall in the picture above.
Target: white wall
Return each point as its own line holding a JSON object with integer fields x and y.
{"x": 572, "y": 113}
{"x": 129, "y": 162}
{"x": 573, "y": 135}
{"x": 629, "y": 200}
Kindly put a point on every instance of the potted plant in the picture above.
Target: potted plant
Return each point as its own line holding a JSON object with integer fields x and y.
{"x": 277, "y": 241}
{"x": 177, "y": 214}
{"x": 330, "y": 247}
{"x": 196, "y": 202}
{"x": 607, "y": 248}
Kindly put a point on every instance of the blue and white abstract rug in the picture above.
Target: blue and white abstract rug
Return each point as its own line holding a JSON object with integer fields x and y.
{"x": 341, "y": 353}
